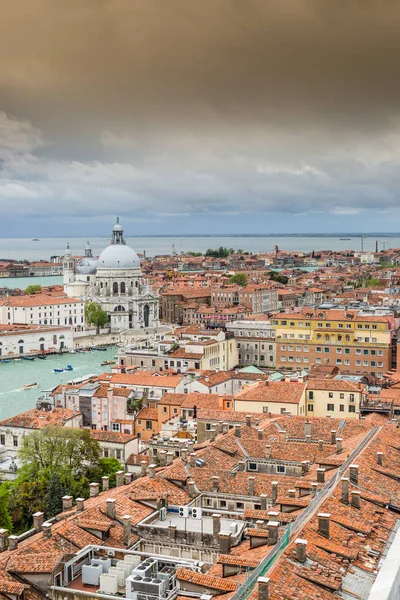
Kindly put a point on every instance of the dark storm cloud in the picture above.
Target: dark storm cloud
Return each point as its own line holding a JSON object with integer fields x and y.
{"x": 184, "y": 107}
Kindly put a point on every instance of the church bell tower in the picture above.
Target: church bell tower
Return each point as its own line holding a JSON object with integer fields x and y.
{"x": 68, "y": 267}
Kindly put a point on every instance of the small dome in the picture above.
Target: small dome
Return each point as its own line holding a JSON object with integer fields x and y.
{"x": 87, "y": 266}
{"x": 118, "y": 256}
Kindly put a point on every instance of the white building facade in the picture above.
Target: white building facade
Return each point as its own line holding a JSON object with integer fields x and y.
{"x": 115, "y": 281}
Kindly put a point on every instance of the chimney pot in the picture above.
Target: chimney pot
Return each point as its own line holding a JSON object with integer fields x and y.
{"x": 192, "y": 458}
{"x": 163, "y": 457}
{"x": 333, "y": 436}
{"x": 111, "y": 509}
{"x": 191, "y": 488}
{"x": 126, "y": 520}
{"x": 225, "y": 543}
{"x": 248, "y": 420}
{"x": 345, "y": 490}
{"x": 46, "y": 528}
{"x": 291, "y": 493}
{"x": 184, "y": 454}
{"x": 379, "y": 457}
{"x": 339, "y": 445}
{"x": 94, "y": 489}
{"x": 321, "y": 475}
{"x": 263, "y": 584}
{"x": 353, "y": 474}
{"x": 12, "y": 542}
{"x": 301, "y": 550}
{"x": 263, "y": 500}
{"x": 273, "y": 532}
{"x": 152, "y": 470}
{"x": 274, "y": 493}
{"x": 215, "y": 483}
{"x": 238, "y": 430}
{"x": 308, "y": 439}
{"x": 356, "y": 499}
{"x": 252, "y": 481}
{"x": 119, "y": 478}
{"x": 314, "y": 488}
{"x": 67, "y": 503}
{"x": 216, "y": 523}
{"x": 105, "y": 483}
{"x": 128, "y": 478}
{"x": 3, "y": 540}
{"x": 170, "y": 458}
{"x": 143, "y": 467}
{"x": 38, "y": 518}
{"x": 323, "y": 524}
{"x": 260, "y": 434}
{"x": 80, "y": 504}
{"x": 320, "y": 445}
{"x": 267, "y": 450}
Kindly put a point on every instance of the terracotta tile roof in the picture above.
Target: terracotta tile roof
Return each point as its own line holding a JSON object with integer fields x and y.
{"x": 39, "y": 300}
{"x": 142, "y": 379}
{"x": 38, "y": 419}
{"x": 116, "y": 437}
{"x": 273, "y": 392}
{"x": 23, "y": 562}
{"x": 9, "y": 586}
{"x": 214, "y": 583}
{"x": 172, "y": 399}
{"x": 229, "y": 559}
{"x": 150, "y": 414}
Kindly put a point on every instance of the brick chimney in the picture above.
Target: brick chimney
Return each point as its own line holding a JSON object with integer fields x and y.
{"x": 143, "y": 467}
{"x": 353, "y": 474}
{"x": 333, "y": 436}
{"x": 191, "y": 488}
{"x": 224, "y": 427}
{"x": 291, "y": 493}
{"x": 238, "y": 430}
{"x": 273, "y": 532}
{"x": 260, "y": 434}
{"x": 379, "y": 458}
{"x": 126, "y": 521}
{"x": 152, "y": 470}
{"x": 127, "y": 478}
{"x": 301, "y": 550}
{"x": 170, "y": 458}
{"x": 46, "y": 528}
{"x": 3, "y": 540}
{"x": 38, "y": 518}
{"x": 80, "y": 504}
{"x": 321, "y": 475}
{"x": 263, "y": 501}
{"x": 192, "y": 458}
{"x": 216, "y": 523}
{"x": 274, "y": 493}
{"x": 212, "y": 434}
{"x": 345, "y": 490}
{"x": 163, "y": 457}
{"x": 111, "y": 508}
{"x": 66, "y": 503}
{"x": 252, "y": 481}
{"x": 119, "y": 478}
{"x": 215, "y": 483}
{"x": 320, "y": 445}
{"x": 355, "y": 499}
{"x": 308, "y": 439}
{"x": 263, "y": 585}
{"x": 314, "y": 488}
{"x": 248, "y": 420}
{"x": 323, "y": 524}
{"x": 94, "y": 489}
{"x": 225, "y": 543}
{"x": 339, "y": 445}
{"x": 105, "y": 483}
{"x": 12, "y": 542}
{"x": 184, "y": 454}
{"x": 267, "y": 450}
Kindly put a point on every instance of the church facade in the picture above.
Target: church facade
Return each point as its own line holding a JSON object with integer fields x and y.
{"x": 115, "y": 281}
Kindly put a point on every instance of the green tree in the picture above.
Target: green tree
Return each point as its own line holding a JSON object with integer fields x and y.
{"x": 220, "y": 252}
{"x": 108, "y": 467}
{"x": 274, "y": 276}
{"x": 68, "y": 452}
{"x": 238, "y": 279}
{"x": 33, "y": 289}
{"x": 191, "y": 253}
{"x": 53, "y": 498}
{"x": 5, "y": 517}
{"x": 94, "y": 315}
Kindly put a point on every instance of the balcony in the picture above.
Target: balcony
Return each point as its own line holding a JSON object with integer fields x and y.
{"x": 377, "y": 405}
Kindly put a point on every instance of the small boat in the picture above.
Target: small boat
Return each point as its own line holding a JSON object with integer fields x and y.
{"x": 29, "y": 385}
{"x": 28, "y": 358}
{"x": 344, "y": 239}
{"x": 16, "y": 360}
{"x": 58, "y": 370}
{"x": 72, "y": 351}
{"x": 100, "y": 348}
{"x": 107, "y": 362}
{"x": 68, "y": 368}
{"x": 42, "y": 356}
{"x": 5, "y": 360}
{"x": 35, "y": 240}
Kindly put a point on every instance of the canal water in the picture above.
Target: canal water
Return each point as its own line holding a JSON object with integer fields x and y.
{"x": 14, "y": 375}
{"x": 21, "y": 283}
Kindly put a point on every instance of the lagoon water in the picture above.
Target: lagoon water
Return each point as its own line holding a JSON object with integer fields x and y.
{"x": 14, "y": 375}
{"x": 23, "y": 248}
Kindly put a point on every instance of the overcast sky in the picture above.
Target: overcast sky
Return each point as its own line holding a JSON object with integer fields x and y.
{"x": 199, "y": 116}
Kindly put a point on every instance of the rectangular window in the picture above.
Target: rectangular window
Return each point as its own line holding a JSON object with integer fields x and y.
{"x": 310, "y": 408}
{"x": 330, "y": 394}
{"x": 253, "y": 466}
{"x": 351, "y": 397}
{"x": 2, "y": 439}
{"x": 330, "y": 407}
{"x": 347, "y": 350}
{"x": 280, "y": 469}
{"x": 341, "y": 407}
{"x": 352, "y": 409}
{"x": 341, "y": 396}
{"x": 265, "y": 409}
{"x": 326, "y": 350}
{"x": 318, "y": 349}
{"x": 15, "y": 441}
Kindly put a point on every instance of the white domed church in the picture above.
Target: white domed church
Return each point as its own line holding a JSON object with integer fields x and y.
{"x": 115, "y": 281}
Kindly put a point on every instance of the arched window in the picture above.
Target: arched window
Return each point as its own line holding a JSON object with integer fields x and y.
{"x": 61, "y": 337}
{"x": 136, "y": 283}
{"x": 115, "y": 287}
{"x": 119, "y": 309}
{"x": 41, "y": 340}
{"x": 21, "y": 342}
{"x": 101, "y": 284}
{"x": 122, "y": 287}
{"x": 146, "y": 312}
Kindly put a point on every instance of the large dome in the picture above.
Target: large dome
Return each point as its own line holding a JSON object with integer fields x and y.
{"x": 87, "y": 266}
{"x": 118, "y": 255}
